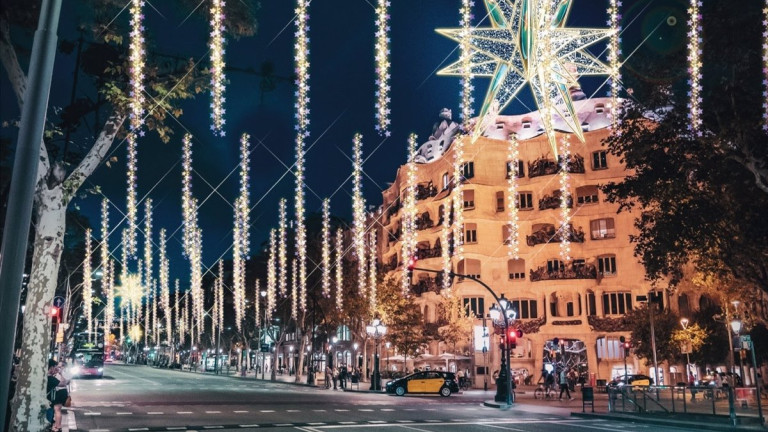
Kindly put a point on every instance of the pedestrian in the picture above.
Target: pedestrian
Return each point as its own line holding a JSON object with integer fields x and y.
{"x": 57, "y": 392}
{"x": 564, "y": 385}
{"x": 335, "y": 376}
{"x": 343, "y": 377}
{"x": 692, "y": 384}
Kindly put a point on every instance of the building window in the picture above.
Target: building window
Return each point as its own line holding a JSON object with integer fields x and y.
{"x": 599, "y": 160}
{"x": 602, "y": 229}
{"x": 586, "y": 195}
{"x": 446, "y": 181}
{"x": 599, "y": 108}
{"x": 520, "y": 168}
{"x": 525, "y": 201}
{"x": 526, "y": 309}
{"x": 475, "y": 306}
{"x": 470, "y": 233}
{"x": 591, "y": 304}
{"x": 516, "y": 269}
{"x": 469, "y": 267}
{"x": 469, "y": 199}
{"x": 499, "y": 201}
{"x": 683, "y": 306}
{"x": 468, "y": 170}
{"x": 617, "y": 303}
{"x": 606, "y": 265}
{"x": 554, "y": 266}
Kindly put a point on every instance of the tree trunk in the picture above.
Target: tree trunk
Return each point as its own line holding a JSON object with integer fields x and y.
{"x": 30, "y": 403}
{"x": 299, "y": 365}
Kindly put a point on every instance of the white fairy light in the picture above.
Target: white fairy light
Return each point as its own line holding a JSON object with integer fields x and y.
{"x": 88, "y": 284}
{"x": 218, "y": 79}
{"x": 220, "y": 296}
{"x": 110, "y": 307}
{"x": 165, "y": 289}
{"x": 124, "y": 256}
{"x": 301, "y": 59}
{"x": 282, "y": 241}
{"x": 409, "y": 213}
{"x": 294, "y": 289}
{"x": 445, "y": 240}
{"x": 466, "y": 61}
{"x": 155, "y": 321}
{"x": 765, "y": 67}
{"x": 130, "y": 200}
{"x": 614, "y": 51}
{"x": 148, "y": 241}
{"x": 187, "y": 201}
{"x": 271, "y": 269}
{"x": 301, "y": 231}
{"x": 106, "y": 285}
{"x": 339, "y": 268}
{"x": 358, "y": 211}
{"x": 136, "y": 68}
{"x": 372, "y": 270}
{"x": 326, "y": 248}
{"x": 382, "y": 68}
{"x": 513, "y": 158}
{"x": 177, "y": 318}
{"x": 257, "y": 299}
{"x": 458, "y": 197}
{"x": 565, "y": 197}
{"x": 694, "y": 65}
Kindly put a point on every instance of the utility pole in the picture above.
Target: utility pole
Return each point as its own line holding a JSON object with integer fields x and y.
{"x": 22, "y": 190}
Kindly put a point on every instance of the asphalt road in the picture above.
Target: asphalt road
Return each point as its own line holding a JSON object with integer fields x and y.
{"x": 132, "y": 398}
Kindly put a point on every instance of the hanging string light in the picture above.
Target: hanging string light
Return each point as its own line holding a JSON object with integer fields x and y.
{"x": 282, "y": 245}
{"x": 257, "y": 299}
{"x": 217, "y": 67}
{"x": 271, "y": 268}
{"x": 458, "y": 198}
{"x": 188, "y": 208}
{"x": 326, "y": 248}
{"x": 88, "y": 284}
{"x": 339, "y": 268}
{"x": 301, "y": 58}
{"x": 155, "y": 320}
{"x": 765, "y": 67}
{"x": 301, "y": 233}
{"x": 130, "y": 200}
{"x": 238, "y": 284}
{"x": 614, "y": 64}
{"x": 694, "y": 65}
{"x": 445, "y": 241}
{"x": 109, "y": 308}
{"x": 466, "y": 61}
{"x": 409, "y": 213}
{"x": 147, "y": 312}
{"x": 358, "y": 211}
{"x": 136, "y": 68}
{"x": 165, "y": 289}
{"x": 192, "y": 237}
{"x": 565, "y": 199}
{"x": 196, "y": 285}
{"x": 241, "y": 234}
{"x": 295, "y": 289}
{"x": 382, "y": 68}
{"x": 147, "y": 241}
{"x": 513, "y": 158}
{"x": 124, "y": 256}
{"x": 372, "y": 270}
{"x": 220, "y": 296}
{"x": 177, "y": 318}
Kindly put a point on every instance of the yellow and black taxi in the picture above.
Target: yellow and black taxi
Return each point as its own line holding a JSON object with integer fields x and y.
{"x": 636, "y": 380}
{"x": 442, "y": 383}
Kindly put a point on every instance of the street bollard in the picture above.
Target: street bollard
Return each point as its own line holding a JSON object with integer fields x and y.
{"x": 731, "y": 407}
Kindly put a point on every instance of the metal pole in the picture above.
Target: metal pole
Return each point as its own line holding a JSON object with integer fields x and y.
{"x": 22, "y": 189}
{"x": 757, "y": 383}
{"x": 651, "y": 306}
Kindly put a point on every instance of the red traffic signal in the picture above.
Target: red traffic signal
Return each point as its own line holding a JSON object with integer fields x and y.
{"x": 512, "y": 336}
{"x": 412, "y": 262}
{"x": 54, "y": 311}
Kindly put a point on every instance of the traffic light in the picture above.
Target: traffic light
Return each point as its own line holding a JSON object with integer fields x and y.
{"x": 411, "y": 264}
{"x": 512, "y": 336}
{"x": 626, "y": 344}
{"x": 54, "y": 311}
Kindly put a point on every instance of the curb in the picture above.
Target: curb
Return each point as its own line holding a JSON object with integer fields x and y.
{"x": 667, "y": 422}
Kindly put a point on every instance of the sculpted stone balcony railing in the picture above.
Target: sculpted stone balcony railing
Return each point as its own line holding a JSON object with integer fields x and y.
{"x": 428, "y": 284}
{"x": 548, "y": 234}
{"x": 583, "y": 271}
{"x": 553, "y": 201}
{"x": 424, "y": 221}
{"x": 394, "y": 236}
{"x": 434, "y": 252}
{"x": 394, "y": 208}
{"x": 391, "y": 265}
{"x": 424, "y": 191}
{"x": 542, "y": 166}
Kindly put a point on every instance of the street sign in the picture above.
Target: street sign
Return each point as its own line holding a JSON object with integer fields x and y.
{"x": 264, "y": 348}
{"x": 58, "y": 301}
{"x": 746, "y": 339}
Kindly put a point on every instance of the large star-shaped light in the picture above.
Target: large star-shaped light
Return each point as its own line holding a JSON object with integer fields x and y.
{"x": 528, "y": 43}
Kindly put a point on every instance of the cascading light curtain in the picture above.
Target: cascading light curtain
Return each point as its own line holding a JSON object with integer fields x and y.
{"x": 165, "y": 289}
{"x": 458, "y": 198}
{"x": 241, "y": 234}
{"x": 301, "y": 58}
{"x": 88, "y": 284}
{"x": 513, "y": 230}
{"x": 614, "y": 63}
{"x": 409, "y": 214}
{"x": 339, "y": 268}
{"x": 358, "y": 211}
{"x": 565, "y": 199}
{"x": 192, "y": 238}
{"x": 136, "y": 57}
{"x": 107, "y": 286}
{"x": 694, "y": 65}
{"x": 382, "y": 68}
{"x": 466, "y": 62}
{"x": 283, "y": 245}
{"x": 271, "y": 268}
{"x": 445, "y": 244}
{"x": 294, "y": 289}
{"x": 372, "y": 271}
{"x": 148, "y": 268}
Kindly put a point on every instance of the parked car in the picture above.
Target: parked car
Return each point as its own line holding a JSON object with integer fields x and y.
{"x": 635, "y": 380}
{"x": 442, "y": 383}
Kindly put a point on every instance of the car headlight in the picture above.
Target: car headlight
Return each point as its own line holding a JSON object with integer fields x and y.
{"x": 100, "y": 369}
{"x": 74, "y": 370}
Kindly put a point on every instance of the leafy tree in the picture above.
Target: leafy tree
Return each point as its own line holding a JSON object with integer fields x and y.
{"x": 458, "y": 323}
{"x": 700, "y": 198}
{"x": 665, "y": 325}
{"x": 60, "y": 177}
{"x": 405, "y": 324}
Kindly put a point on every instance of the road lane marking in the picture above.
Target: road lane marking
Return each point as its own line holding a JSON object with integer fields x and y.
{"x": 250, "y": 426}
{"x": 213, "y": 412}
{"x": 267, "y": 411}
{"x": 376, "y": 421}
{"x": 138, "y": 429}
{"x": 213, "y": 427}
{"x": 123, "y": 413}
{"x": 318, "y": 410}
{"x": 71, "y": 423}
{"x": 154, "y": 413}
{"x": 365, "y": 410}
{"x": 347, "y": 423}
{"x": 241, "y": 412}
{"x": 341, "y": 410}
{"x": 294, "y": 410}
{"x": 183, "y": 412}
{"x": 176, "y": 427}
{"x": 91, "y": 413}
{"x": 405, "y": 421}
{"x": 282, "y": 424}
{"x": 316, "y": 424}
{"x": 387, "y": 409}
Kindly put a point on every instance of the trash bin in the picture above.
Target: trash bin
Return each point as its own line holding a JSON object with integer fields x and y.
{"x": 587, "y": 398}
{"x": 355, "y": 379}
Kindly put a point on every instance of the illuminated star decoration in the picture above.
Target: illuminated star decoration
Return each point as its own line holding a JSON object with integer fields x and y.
{"x": 136, "y": 68}
{"x": 382, "y": 68}
{"x": 358, "y": 211}
{"x": 765, "y": 67}
{"x": 148, "y": 241}
{"x": 301, "y": 57}
{"x": 565, "y": 195}
{"x": 271, "y": 270}
{"x": 466, "y": 62}
{"x": 513, "y": 158}
{"x": 339, "y": 268}
{"x": 372, "y": 270}
{"x": 410, "y": 213}
{"x": 107, "y": 286}
{"x": 694, "y": 65}
{"x": 130, "y": 199}
{"x": 282, "y": 238}
{"x": 240, "y": 235}
{"x": 528, "y": 43}
{"x": 217, "y": 67}
{"x": 165, "y": 289}
{"x": 614, "y": 51}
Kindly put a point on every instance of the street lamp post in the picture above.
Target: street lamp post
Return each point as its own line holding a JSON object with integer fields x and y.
{"x": 262, "y": 332}
{"x": 684, "y": 323}
{"x": 388, "y": 344}
{"x": 376, "y": 330}
{"x": 503, "y": 315}
{"x": 736, "y": 325}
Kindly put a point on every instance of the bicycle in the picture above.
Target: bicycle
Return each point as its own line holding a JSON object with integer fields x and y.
{"x": 464, "y": 384}
{"x": 544, "y": 392}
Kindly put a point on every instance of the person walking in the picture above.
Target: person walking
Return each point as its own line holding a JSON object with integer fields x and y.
{"x": 57, "y": 392}
{"x": 564, "y": 385}
{"x": 328, "y": 377}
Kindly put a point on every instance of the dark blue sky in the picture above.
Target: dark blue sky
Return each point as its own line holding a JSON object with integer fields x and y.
{"x": 342, "y": 103}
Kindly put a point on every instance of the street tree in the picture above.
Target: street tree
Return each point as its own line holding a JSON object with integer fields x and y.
{"x": 457, "y": 322}
{"x": 666, "y": 324}
{"x": 700, "y": 198}
{"x": 405, "y": 324}
{"x": 60, "y": 178}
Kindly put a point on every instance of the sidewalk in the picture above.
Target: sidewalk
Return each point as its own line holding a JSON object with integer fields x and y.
{"x": 710, "y": 423}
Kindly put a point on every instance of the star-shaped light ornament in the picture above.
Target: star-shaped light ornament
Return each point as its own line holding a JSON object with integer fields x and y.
{"x": 528, "y": 43}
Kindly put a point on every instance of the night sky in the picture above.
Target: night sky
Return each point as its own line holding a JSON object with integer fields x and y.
{"x": 341, "y": 103}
